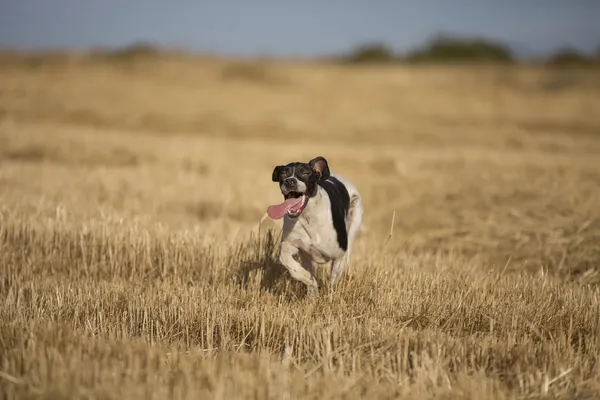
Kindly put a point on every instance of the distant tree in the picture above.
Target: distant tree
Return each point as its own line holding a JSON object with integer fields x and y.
{"x": 131, "y": 52}
{"x": 453, "y": 49}
{"x": 370, "y": 53}
{"x": 567, "y": 56}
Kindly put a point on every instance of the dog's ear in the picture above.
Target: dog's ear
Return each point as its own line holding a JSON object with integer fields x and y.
{"x": 276, "y": 172}
{"x": 319, "y": 165}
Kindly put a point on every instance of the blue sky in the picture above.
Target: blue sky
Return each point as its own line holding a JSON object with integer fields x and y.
{"x": 296, "y": 28}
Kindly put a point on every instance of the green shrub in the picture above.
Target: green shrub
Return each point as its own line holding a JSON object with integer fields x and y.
{"x": 130, "y": 52}
{"x": 452, "y": 49}
{"x": 569, "y": 57}
{"x": 370, "y": 53}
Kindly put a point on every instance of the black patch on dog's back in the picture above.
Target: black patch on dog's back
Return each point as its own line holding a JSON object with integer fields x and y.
{"x": 340, "y": 202}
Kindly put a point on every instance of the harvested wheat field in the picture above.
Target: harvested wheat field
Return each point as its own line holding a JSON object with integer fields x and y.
{"x": 133, "y": 264}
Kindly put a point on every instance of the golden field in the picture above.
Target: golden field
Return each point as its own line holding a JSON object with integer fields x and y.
{"x": 134, "y": 266}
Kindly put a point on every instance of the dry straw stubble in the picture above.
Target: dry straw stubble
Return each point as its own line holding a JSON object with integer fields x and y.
{"x": 128, "y": 269}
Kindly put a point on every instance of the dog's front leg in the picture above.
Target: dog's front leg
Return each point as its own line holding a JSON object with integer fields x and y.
{"x": 296, "y": 270}
{"x": 308, "y": 265}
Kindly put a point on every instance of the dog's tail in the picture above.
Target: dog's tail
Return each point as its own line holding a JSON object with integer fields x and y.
{"x": 353, "y": 222}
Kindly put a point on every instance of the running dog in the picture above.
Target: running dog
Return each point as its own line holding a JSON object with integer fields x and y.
{"x": 322, "y": 213}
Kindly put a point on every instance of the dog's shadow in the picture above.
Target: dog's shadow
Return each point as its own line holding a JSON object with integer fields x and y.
{"x": 257, "y": 260}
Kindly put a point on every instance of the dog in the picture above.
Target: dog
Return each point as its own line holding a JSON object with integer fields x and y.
{"x": 322, "y": 214}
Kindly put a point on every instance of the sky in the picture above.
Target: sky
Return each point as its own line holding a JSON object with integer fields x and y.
{"x": 296, "y": 28}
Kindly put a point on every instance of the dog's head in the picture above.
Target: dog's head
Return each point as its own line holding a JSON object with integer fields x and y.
{"x": 298, "y": 180}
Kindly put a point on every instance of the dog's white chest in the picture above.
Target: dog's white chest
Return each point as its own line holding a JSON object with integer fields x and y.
{"x": 313, "y": 233}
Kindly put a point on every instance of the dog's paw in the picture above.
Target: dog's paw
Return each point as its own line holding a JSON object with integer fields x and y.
{"x": 312, "y": 292}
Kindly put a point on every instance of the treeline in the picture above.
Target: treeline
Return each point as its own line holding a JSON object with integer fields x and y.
{"x": 448, "y": 49}
{"x": 440, "y": 49}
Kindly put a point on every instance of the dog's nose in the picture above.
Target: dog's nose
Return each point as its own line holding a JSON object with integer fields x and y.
{"x": 290, "y": 183}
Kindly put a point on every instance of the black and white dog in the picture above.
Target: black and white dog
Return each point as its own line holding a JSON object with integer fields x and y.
{"x": 322, "y": 214}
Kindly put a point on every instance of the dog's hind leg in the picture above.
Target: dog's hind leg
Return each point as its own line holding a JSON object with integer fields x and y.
{"x": 338, "y": 269}
{"x": 341, "y": 266}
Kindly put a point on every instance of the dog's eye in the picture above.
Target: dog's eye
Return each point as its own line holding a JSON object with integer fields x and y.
{"x": 306, "y": 174}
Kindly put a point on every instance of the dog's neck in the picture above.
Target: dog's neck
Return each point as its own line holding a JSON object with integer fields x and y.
{"x": 314, "y": 201}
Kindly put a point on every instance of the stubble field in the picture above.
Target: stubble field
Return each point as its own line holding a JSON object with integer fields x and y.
{"x": 133, "y": 264}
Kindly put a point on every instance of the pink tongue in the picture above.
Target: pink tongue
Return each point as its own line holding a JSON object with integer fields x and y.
{"x": 278, "y": 211}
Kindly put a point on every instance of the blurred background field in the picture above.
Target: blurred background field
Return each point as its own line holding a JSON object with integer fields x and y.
{"x": 489, "y": 160}
{"x": 133, "y": 179}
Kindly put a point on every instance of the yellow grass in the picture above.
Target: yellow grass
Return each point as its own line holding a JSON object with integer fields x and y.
{"x": 132, "y": 265}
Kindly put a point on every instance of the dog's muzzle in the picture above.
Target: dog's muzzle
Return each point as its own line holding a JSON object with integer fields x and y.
{"x": 290, "y": 184}
{"x": 296, "y": 199}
